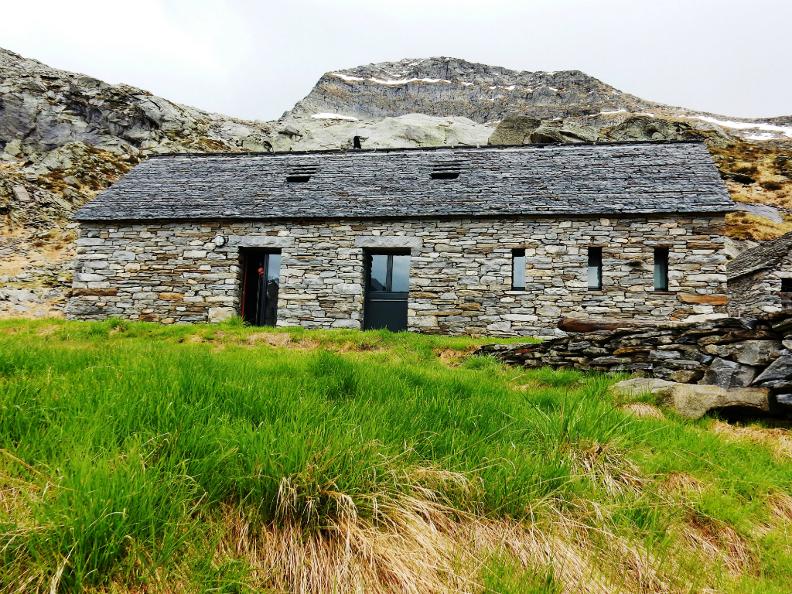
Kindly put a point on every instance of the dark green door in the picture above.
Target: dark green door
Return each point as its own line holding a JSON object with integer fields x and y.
{"x": 387, "y": 288}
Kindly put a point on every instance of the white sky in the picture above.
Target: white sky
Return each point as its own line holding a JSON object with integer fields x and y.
{"x": 256, "y": 59}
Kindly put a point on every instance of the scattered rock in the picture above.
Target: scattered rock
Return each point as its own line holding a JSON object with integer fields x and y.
{"x": 693, "y": 401}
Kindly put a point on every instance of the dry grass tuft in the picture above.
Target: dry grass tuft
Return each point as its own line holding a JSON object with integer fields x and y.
{"x": 718, "y": 542}
{"x": 415, "y": 543}
{"x": 779, "y": 441}
{"x": 680, "y": 483}
{"x": 780, "y": 505}
{"x": 453, "y": 357}
{"x": 606, "y": 467}
{"x": 643, "y": 410}
{"x": 276, "y": 339}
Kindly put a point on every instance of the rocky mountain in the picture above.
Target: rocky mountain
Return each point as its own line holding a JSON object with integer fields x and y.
{"x": 448, "y": 86}
{"x": 485, "y": 94}
{"x": 66, "y": 136}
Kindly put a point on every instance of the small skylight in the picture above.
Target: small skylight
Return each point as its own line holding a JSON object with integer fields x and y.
{"x": 300, "y": 173}
{"x": 448, "y": 170}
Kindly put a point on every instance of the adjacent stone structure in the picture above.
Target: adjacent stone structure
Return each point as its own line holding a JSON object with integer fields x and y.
{"x": 760, "y": 279}
{"x": 750, "y": 358}
{"x": 164, "y": 244}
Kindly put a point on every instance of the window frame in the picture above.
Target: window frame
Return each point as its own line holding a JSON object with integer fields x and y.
{"x": 518, "y": 254}
{"x": 662, "y": 265}
{"x": 594, "y": 250}
{"x": 389, "y": 254}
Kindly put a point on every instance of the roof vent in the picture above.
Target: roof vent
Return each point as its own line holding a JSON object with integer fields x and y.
{"x": 300, "y": 173}
{"x": 449, "y": 170}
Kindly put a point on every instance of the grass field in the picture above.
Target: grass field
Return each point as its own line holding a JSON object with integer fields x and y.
{"x": 145, "y": 458}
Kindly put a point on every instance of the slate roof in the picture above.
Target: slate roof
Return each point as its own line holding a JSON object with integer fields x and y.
{"x": 574, "y": 179}
{"x": 764, "y": 256}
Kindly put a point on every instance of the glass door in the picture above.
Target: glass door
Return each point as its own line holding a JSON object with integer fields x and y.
{"x": 387, "y": 290}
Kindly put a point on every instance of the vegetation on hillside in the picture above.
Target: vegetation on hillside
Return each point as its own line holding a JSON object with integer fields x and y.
{"x": 757, "y": 173}
{"x": 137, "y": 457}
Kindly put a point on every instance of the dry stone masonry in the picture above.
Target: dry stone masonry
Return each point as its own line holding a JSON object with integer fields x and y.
{"x": 460, "y": 271}
{"x": 760, "y": 279}
{"x": 739, "y": 355}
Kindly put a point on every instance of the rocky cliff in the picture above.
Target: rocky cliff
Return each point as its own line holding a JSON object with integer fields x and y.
{"x": 65, "y": 136}
{"x": 448, "y": 86}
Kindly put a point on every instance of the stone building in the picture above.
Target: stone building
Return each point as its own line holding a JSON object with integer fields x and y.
{"x": 495, "y": 240}
{"x": 760, "y": 279}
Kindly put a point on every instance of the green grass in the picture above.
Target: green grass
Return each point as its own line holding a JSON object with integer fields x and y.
{"x": 126, "y": 449}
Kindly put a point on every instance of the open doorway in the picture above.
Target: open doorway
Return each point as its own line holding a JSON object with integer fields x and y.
{"x": 260, "y": 284}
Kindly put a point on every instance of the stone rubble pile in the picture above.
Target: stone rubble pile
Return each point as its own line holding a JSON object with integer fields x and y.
{"x": 735, "y": 354}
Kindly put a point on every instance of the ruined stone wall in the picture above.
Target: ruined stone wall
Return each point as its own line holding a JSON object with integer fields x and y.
{"x": 731, "y": 353}
{"x": 460, "y": 272}
{"x": 760, "y": 292}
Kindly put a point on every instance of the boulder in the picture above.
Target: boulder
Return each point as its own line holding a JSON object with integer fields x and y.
{"x": 514, "y": 129}
{"x": 638, "y": 386}
{"x": 728, "y": 374}
{"x": 553, "y": 131}
{"x": 693, "y": 401}
{"x": 780, "y": 369}
{"x": 784, "y": 399}
{"x": 644, "y": 127}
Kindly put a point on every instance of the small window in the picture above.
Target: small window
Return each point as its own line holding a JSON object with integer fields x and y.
{"x": 449, "y": 170}
{"x": 356, "y": 142}
{"x": 300, "y": 174}
{"x": 595, "y": 269}
{"x": 661, "y": 269}
{"x": 786, "y": 285}
{"x": 297, "y": 179}
{"x": 518, "y": 270}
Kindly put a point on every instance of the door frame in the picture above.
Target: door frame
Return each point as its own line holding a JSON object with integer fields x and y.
{"x": 245, "y": 255}
{"x": 395, "y": 295}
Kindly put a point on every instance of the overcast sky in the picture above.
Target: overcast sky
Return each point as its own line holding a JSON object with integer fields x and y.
{"x": 256, "y": 59}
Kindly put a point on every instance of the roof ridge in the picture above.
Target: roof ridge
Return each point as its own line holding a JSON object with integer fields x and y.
{"x": 564, "y": 145}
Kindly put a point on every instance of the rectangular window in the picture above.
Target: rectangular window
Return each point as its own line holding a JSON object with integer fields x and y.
{"x": 518, "y": 270}
{"x": 661, "y": 269}
{"x": 595, "y": 269}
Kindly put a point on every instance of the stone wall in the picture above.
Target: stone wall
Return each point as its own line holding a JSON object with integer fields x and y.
{"x": 460, "y": 272}
{"x": 728, "y": 352}
{"x": 760, "y": 292}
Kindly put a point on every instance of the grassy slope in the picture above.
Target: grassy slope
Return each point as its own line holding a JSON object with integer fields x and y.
{"x": 138, "y": 457}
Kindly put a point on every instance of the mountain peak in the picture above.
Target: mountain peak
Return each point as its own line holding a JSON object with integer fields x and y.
{"x": 440, "y": 86}
{"x": 451, "y": 69}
